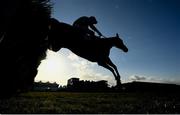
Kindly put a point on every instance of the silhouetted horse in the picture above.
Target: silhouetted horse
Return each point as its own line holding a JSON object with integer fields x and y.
{"x": 92, "y": 50}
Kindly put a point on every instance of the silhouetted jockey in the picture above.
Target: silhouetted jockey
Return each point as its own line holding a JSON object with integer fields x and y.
{"x": 87, "y": 26}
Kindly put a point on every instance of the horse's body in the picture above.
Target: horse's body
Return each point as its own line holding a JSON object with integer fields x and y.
{"x": 92, "y": 50}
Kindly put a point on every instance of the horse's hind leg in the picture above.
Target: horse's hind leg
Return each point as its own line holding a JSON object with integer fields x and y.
{"x": 118, "y": 77}
{"x": 105, "y": 65}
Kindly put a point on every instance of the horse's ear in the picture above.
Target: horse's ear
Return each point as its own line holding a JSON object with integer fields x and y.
{"x": 117, "y": 35}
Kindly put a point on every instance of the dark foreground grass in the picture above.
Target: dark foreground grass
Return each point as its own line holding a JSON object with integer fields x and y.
{"x": 67, "y": 102}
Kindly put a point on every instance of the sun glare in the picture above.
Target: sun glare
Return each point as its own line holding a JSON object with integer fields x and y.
{"x": 54, "y": 62}
{"x": 52, "y": 69}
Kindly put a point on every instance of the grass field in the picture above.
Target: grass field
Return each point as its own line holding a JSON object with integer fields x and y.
{"x": 68, "y": 102}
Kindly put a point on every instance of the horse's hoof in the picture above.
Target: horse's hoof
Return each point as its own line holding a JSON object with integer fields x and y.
{"x": 118, "y": 87}
{"x": 118, "y": 82}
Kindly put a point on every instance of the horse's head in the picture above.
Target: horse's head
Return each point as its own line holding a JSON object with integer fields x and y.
{"x": 119, "y": 43}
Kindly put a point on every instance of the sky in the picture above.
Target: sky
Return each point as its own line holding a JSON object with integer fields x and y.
{"x": 149, "y": 28}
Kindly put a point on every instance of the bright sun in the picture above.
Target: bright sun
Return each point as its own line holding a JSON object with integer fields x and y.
{"x": 53, "y": 62}
{"x": 53, "y": 68}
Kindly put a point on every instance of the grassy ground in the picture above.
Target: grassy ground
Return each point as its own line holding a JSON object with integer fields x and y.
{"x": 66, "y": 102}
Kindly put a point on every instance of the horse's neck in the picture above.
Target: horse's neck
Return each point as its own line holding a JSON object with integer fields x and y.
{"x": 111, "y": 41}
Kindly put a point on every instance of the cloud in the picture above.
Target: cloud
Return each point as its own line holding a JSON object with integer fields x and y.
{"x": 73, "y": 57}
{"x": 146, "y": 78}
{"x": 79, "y": 63}
{"x": 172, "y": 81}
{"x": 154, "y": 79}
{"x": 137, "y": 78}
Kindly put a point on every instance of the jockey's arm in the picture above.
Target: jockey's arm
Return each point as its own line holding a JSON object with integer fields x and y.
{"x": 95, "y": 29}
{"x": 90, "y": 32}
